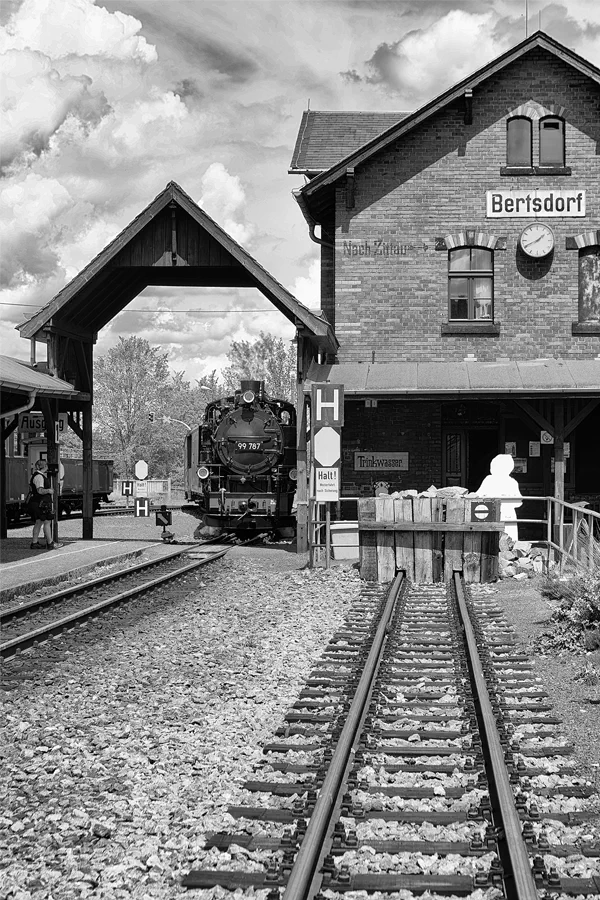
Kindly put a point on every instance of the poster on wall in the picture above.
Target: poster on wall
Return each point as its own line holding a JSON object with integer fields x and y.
{"x": 520, "y": 466}
{"x": 534, "y": 448}
{"x": 510, "y": 447}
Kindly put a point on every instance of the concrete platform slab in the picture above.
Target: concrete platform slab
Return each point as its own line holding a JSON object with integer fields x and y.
{"x": 23, "y": 570}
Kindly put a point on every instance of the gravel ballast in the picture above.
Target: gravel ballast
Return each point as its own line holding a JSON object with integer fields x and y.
{"x": 125, "y": 743}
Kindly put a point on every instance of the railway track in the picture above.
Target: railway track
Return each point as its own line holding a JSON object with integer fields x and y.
{"x": 420, "y": 756}
{"x": 27, "y": 624}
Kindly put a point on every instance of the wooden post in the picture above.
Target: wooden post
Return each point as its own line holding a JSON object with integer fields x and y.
{"x": 453, "y": 550}
{"x": 302, "y": 487}
{"x": 423, "y": 542}
{"x": 367, "y": 540}
{"x": 437, "y": 553}
{"x": 50, "y": 411}
{"x": 327, "y": 534}
{"x": 405, "y": 557}
{"x": 559, "y": 460}
{"x": 386, "y": 557}
{"x": 3, "y": 520}
{"x": 88, "y": 483}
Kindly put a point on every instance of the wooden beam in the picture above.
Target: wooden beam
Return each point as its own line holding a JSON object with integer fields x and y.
{"x": 581, "y": 415}
{"x": 350, "y": 188}
{"x": 74, "y": 425}
{"x": 468, "y": 97}
{"x": 431, "y": 526}
{"x": 537, "y": 417}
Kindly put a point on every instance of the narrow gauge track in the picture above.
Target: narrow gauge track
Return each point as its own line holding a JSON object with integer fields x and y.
{"x": 81, "y": 602}
{"x": 103, "y": 512}
{"x": 420, "y": 756}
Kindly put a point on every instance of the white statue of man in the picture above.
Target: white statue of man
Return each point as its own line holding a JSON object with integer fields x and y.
{"x": 500, "y": 483}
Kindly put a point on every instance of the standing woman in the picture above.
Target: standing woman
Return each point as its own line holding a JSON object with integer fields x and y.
{"x": 40, "y": 506}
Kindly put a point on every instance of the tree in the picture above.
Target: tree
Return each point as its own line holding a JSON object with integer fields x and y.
{"x": 268, "y": 359}
{"x": 131, "y": 382}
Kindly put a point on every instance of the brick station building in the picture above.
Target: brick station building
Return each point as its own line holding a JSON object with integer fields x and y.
{"x": 460, "y": 268}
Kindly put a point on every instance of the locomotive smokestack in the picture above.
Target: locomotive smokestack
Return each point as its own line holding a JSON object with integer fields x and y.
{"x": 257, "y": 387}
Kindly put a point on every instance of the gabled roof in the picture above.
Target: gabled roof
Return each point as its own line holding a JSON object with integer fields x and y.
{"x": 18, "y": 376}
{"x": 326, "y": 137}
{"x": 528, "y": 377}
{"x": 172, "y": 241}
{"x": 356, "y": 157}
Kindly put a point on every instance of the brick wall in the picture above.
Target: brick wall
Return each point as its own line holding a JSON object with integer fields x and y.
{"x": 391, "y": 305}
{"x": 394, "y": 425}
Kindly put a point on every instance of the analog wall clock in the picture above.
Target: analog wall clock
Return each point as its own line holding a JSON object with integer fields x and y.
{"x": 537, "y": 240}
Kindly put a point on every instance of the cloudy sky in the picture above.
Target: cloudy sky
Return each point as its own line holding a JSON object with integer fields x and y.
{"x": 106, "y": 102}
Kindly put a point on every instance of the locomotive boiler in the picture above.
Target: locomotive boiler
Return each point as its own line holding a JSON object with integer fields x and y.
{"x": 240, "y": 463}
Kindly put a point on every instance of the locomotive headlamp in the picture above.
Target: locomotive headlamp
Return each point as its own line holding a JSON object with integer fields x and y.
{"x": 248, "y": 396}
{"x": 294, "y": 474}
{"x": 242, "y": 506}
{"x": 203, "y": 473}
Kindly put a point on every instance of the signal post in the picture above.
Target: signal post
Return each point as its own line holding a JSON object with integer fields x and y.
{"x": 327, "y": 419}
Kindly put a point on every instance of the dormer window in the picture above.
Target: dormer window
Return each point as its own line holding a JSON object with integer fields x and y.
{"x": 552, "y": 141}
{"x": 519, "y": 142}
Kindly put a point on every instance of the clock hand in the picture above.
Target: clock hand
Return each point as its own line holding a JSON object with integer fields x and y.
{"x": 537, "y": 239}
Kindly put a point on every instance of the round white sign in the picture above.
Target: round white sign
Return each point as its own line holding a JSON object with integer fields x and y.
{"x": 141, "y": 469}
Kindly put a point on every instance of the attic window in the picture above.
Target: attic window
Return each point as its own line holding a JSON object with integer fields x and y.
{"x": 552, "y": 142}
{"x": 519, "y": 142}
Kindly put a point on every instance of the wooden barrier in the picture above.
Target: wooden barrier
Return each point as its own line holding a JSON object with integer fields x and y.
{"x": 428, "y": 537}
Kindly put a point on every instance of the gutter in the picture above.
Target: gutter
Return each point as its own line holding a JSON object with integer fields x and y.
{"x": 299, "y": 198}
{"x": 20, "y": 409}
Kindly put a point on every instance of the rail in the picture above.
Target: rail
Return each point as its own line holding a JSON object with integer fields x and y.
{"x": 568, "y": 530}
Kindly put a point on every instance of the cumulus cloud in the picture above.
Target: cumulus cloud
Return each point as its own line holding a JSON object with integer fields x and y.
{"x": 37, "y": 100}
{"x": 75, "y": 27}
{"x": 423, "y": 59}
{"x": 307, "y": 288}
{"x": 223, "y": 198}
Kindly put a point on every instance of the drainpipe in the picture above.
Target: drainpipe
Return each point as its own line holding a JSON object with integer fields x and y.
{"x": 298, "y": 196}
{"x": 20, "y": 409}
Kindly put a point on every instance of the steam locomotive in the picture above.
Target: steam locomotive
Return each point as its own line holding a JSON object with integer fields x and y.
{"x": 240, "y": 463}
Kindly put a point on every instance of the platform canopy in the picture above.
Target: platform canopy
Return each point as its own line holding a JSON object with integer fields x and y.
{"x": 530, "y": 377}
{"x": 171, "y": 242}
{"x": 21, "y": 382}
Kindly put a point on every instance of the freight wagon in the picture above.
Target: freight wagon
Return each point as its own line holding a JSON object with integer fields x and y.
{"x": 18, "y": 473}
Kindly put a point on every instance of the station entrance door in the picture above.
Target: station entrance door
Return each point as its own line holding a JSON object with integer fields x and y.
{"x": 467, "y": 455}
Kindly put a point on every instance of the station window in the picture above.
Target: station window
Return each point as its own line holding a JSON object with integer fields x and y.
{"x": 470, "y": 284}
{"x": 552, "y": 141}
{"x": 519, "y": 142}
{"x": 589, "y": 284}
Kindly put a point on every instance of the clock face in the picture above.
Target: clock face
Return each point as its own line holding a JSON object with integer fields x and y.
{"x": 537, "y": 240}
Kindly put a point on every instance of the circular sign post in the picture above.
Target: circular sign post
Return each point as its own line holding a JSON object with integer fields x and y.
{"x": 141, "y": 469}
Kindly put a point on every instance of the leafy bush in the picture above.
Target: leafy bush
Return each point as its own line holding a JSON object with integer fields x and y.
{"x": 577, "y": 617}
